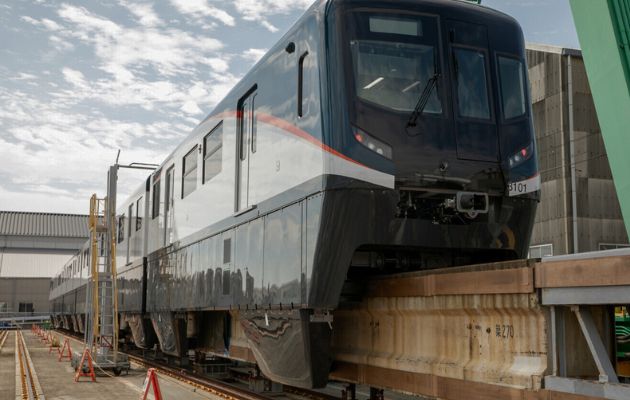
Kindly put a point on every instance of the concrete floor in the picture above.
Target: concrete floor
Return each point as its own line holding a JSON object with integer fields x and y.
{"x": 57, "y": 378}
{"x": 7, "y": 368}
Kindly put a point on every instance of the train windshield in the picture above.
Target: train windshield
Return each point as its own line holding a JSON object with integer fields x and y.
{"x": 393, "y": 58}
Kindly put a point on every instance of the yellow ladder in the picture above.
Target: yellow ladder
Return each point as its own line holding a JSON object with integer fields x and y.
{"x": 104, "y": 291}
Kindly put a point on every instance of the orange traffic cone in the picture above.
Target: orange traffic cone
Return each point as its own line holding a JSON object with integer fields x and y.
{"x": 86, "y": 356}
{"x": 66, "y": 345}
{"x": 151, "y": 380}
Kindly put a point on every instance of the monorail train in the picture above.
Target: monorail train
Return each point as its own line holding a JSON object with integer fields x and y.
{"x": 374, "y": 137}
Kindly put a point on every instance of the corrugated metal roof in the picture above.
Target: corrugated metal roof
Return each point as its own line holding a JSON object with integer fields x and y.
{"x": 16, "y": 223}
{"x": 31, "y": 265}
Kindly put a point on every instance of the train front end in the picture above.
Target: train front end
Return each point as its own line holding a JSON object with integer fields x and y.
{"x": 432, "y": 95}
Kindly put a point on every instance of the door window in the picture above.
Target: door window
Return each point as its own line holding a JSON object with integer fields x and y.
{"x": 472, "y": 83}
{"x": 246, "y": 146}
{"x": 512, "y": 82}
{"x": 168, "y": 204}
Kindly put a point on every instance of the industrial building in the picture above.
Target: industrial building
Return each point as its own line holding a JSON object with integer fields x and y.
{"x": 579, "y": 210}
{"x": 33, "y": 247}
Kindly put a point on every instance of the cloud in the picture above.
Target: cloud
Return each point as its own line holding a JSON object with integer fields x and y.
{"x": 23, "y": 76}
{"x": 74, "y": 77}
{"x": 254, "y": 54}
{"x": 44, "y": 23}
{"x": 169, "y": 50}
{"x": 190, "y": 107}
{"x": 129, "y": 77}
{"x": 259, "y": 10}
{"x": 65, "y": 154}
{"x": 143, "y": 66}
{"x": 60, "y": 44}
{"x": 51, "y": 25}
{"x": 200, "y": 9}
{"x": 267, "y": 25}
{"x": 144, "y": 13}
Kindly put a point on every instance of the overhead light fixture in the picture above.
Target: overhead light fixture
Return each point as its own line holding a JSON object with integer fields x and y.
{"x": 374, "y": 83}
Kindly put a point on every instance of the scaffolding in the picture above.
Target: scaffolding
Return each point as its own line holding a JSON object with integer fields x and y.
{"x": 102, "y": 296}
{"x": 101, "y": 333}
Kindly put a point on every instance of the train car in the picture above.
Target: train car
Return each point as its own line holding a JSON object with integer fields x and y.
{"x": 67, "y": 294}
{"x": 375, "y": 137}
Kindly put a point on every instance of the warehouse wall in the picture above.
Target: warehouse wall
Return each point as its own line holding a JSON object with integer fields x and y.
{"x": 14, "y": 291}
{"x": 599, "y": 218}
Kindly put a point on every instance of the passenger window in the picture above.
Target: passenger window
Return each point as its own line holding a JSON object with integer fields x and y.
{"x": 212, "y": 152}
{"x": 155, "y": 211}
{"x": 189, "y": 172}
{"x": 139, "y": 214}
{"x": 512, "y": 87}
{"x": 121, "y": 228}
{"x": 471, "y": 83}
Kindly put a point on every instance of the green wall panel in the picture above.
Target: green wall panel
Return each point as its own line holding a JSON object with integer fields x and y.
{"x": 603, "y": 28}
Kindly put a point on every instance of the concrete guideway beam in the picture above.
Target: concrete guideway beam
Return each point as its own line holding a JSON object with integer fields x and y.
{"x": 520, "y": 329}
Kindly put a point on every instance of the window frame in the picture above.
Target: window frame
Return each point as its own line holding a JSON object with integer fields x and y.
{"x": 192, "y": 152}
{"x": 218, "y": 129}
{"x": 523, "y": 63}
{"x": 440, "y": 53}
{"x": 610, "y": 246}
{"x": 540, "y": 246}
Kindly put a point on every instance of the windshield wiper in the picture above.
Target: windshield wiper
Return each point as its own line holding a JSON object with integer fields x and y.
{"x": 423, "y": 100}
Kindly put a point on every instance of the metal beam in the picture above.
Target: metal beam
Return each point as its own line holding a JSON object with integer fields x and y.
{"x": 588, "y": 388}
{"x": 598, "y": 351}
{"x": 595, "y": 295}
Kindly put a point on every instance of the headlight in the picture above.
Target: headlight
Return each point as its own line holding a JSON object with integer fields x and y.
{"x": 522, "y": 155}
{"x": 373, "y": 144}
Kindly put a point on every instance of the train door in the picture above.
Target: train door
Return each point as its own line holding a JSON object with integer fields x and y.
{"x": 168, "y": 205}
{"x": 245, "y": 148}
{"x": 476, "y": 129}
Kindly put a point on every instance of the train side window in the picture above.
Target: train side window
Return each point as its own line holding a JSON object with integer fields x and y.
{"x": 300, "y": 99}
{"x": 471, "y": 83}
{"x": 155, "y": 209}
{"x": 212, "y": 152}
{"x": 243, "y": 121}
{"x": 512, "y": 82}
{"x": 139, "y": 214}
{"x": 121, "y": 228}
{"x": 189, "y": 172}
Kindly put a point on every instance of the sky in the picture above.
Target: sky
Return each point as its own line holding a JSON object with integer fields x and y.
{"x": 80, "y": 80}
